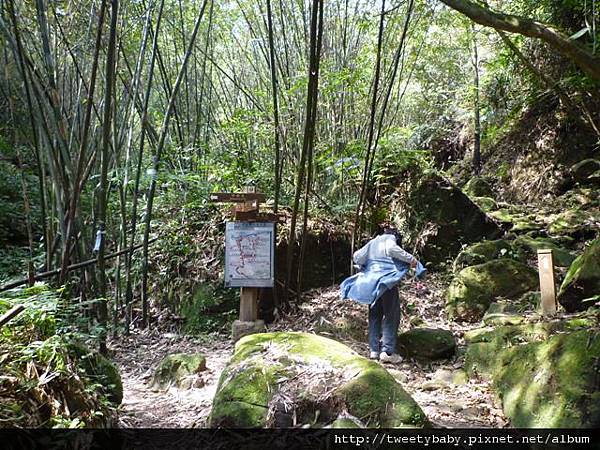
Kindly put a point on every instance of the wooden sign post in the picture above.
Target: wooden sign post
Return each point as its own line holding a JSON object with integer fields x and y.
{"x": 250, "y": 252}
{"x": 547, "y": 282}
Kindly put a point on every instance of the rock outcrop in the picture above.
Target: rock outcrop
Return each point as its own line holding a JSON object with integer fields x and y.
{"x": 445, "y": 218}
{"x": 546, "y": 374}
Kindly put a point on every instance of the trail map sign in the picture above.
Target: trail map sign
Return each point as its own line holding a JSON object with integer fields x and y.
{"x": 249, "y": 248}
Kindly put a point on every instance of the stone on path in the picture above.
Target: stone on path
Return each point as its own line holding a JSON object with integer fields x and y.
{"x": 180, "y": 370}
{"x": 426, "y": 343}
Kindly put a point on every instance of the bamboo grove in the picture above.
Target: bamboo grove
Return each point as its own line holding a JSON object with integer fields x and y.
{"x": 114, "y": 103}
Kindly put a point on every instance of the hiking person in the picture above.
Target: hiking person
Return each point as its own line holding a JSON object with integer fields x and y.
{"x": 383, "y": 263}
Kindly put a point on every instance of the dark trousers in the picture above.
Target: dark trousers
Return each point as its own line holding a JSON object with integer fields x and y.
{"x": 384, "y": 319}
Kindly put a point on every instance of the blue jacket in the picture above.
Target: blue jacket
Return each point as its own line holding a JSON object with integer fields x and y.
{"x": 378, "y": 276}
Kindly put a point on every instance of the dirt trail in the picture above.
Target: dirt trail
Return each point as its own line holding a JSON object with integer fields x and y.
{"x": 145, "y": 407}
{"x": 470, "y": 404}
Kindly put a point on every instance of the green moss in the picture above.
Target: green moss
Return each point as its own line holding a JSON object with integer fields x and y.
{"x": 174, "y": 368}
{"x": 505, "y": 215}
{"x": 531, "y": 245}
{"x": 582, "y": 280}
{"x": 546, "y": 384}
{"x": 376, "y": 398}
{"x": 478, "y": 187}
{"x": 101, "y": 370}
{"x": 571, "y": 222}
{"x": 545, "y": 373}
{"x": 237, "y": 414}
{"x": 482, "y": 252}
{"x": 502, "y": 319}
{"x": 474, "y": 288}
{"x": 487, "y": 204}
{"x": 521, "y": 221}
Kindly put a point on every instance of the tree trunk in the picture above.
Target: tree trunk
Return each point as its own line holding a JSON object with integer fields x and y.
{"x": 476, "y": 106}
{"x": 103, "y": 193}
{"x": 309, "y": 124}
{"x": 157, "y": 159}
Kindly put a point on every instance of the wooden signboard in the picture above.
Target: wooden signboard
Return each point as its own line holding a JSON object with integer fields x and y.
{"x": 249, "y": 248}
{"x": 249, "y": 254}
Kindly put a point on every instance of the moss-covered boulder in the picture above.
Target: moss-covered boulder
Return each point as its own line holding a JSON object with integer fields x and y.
{"x": 452, "y": 220}
{"x": 529, "y": 245}
{"x": 546, "y": 374}
{"x": 296, "y": 379}
{"x": 478, "y": 187}
{"x": 482, "y": 252}
{"x": 426, "y": 343}
{"x": 582, "y": 282}
{"x": 474, "y": 288}
{"x": 178, "y": 369}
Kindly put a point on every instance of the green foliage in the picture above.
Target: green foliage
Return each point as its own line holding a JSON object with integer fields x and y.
{"x": 42, "y": 363}
{"x": 212, "y": 307}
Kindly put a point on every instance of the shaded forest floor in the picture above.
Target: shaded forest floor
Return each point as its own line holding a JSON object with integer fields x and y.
{"x": 447, "y": 403}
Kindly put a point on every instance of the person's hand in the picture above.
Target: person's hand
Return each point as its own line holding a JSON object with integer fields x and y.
{"x": 413, "y": 263}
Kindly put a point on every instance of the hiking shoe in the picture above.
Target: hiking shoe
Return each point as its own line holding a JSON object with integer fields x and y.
{"x": 394, "y": 358}
{"x": 374, "y": 355}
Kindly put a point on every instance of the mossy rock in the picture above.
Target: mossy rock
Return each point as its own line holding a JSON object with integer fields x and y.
{"x": 582, "y": 280}
{"x": 584, "y": 197}
{"x": 268, "y": 366}
{"x": 517, "y": 221}
{"x": 502, "y": 319}
{"x": 545, "y": 374}
{"x": 486, "y": 204}
{"x": 176, "y": 369}
{"x": 478, "y": 187}
{"x": 426, "y": 343}
{"x": 530, "y": 245}
{"x": 100, "y": 370}
{"x": 474, "y": 288}
{"x": 574, "y": 222}
{"x": 482, "y": 252}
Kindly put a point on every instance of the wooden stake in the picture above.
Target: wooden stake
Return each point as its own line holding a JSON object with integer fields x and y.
{"x": 547, "y": 282}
